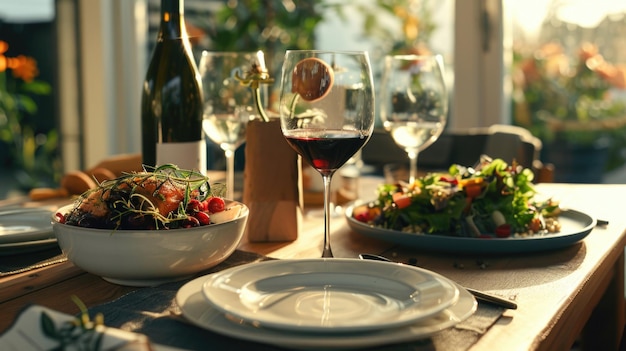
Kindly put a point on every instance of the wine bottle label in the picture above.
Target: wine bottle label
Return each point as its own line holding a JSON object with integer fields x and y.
{"x": 188, "y": 155}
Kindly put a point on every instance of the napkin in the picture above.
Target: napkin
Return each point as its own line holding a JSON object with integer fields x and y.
{"x": 40, "y": 328}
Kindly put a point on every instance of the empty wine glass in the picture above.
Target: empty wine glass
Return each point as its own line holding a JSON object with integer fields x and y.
{"x": 229, "y": 104}
{"x": 414, "y": 103}
{"x": 316, "y": 118}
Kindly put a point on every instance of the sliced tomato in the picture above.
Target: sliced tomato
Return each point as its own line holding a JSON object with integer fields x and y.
{"x": 472, "y": 186}
{"x": 401, "y": 200}
{"x": 473, "y": 190}
{"x": 450, "y": 179}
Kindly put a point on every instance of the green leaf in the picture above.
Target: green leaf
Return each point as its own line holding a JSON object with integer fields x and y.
{"x": 37, "y": 87}
{"x": 47, "y": 326}
{"x": 27, "y": 104}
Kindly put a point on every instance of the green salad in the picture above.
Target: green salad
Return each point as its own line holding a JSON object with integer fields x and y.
{"x": 490, "y": 199}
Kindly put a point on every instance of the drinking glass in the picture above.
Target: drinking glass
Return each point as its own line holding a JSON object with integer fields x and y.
{"x": 317, "y": 120}
{"x": 229, "y": 103}
{"x": 414, "y": 103}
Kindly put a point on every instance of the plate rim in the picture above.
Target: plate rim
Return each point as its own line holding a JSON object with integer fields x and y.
{"x": 12, "y": 249}
{"x": 442, "y": 243}
{"x": 275, "y": 267}
{"x": 464, "y": 308}
{"x": 41, "y": 227}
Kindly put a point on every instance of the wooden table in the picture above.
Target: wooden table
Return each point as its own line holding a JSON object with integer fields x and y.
{"x": 563, "y": 295}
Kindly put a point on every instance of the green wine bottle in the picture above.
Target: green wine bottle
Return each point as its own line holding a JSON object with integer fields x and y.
{"x": 172, "y": 103}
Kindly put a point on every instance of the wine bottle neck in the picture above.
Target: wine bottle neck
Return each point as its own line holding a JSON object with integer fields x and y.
{"x": 172, "y": 19}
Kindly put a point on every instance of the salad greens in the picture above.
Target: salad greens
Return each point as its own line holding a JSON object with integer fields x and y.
{"x": 492, "y": 198}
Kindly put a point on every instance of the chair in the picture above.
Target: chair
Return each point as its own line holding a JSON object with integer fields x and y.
{"x": 465, "y": 148}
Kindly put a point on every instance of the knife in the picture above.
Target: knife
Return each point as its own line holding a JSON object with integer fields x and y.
{"x": 479, "y": 295}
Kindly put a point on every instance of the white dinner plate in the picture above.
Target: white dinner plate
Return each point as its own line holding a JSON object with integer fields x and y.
{"x": 575, "y": 226}
{"x": 329, "y": 295}
{"x": 24, "y": 225}
{"x": 195, "y": 309}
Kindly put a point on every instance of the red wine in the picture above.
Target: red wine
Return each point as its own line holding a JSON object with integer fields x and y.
{"x": 326, "y": 150}
{"x": 172, "y": 103}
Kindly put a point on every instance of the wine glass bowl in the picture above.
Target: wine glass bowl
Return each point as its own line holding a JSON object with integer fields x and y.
{"x": 414, "y": 103}
{"x": 229, "y": 102}
{"x": 327, "y": 111}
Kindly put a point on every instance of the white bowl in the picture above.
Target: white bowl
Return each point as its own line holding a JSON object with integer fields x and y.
{"x": 149, "y": 257}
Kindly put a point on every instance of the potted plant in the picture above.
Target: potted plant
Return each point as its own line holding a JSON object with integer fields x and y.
{"x": 569, "y": 102}
{"x": 29, "y": 152}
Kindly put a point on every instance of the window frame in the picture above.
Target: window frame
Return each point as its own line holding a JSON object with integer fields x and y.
{"x": 111, "y": 41}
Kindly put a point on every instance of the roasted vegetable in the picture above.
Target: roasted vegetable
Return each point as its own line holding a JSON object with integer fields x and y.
{"x": 156, "y": 199}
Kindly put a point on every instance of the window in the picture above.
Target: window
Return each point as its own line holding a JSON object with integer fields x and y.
{"x": 104, "y": 46}
{"x": 570, "y": 78}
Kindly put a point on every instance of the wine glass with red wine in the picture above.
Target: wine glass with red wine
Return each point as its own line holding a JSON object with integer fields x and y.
{"x": 317, "y": 120}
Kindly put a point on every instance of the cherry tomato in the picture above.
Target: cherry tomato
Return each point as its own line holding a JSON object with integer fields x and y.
{"x": 362, "y": 217}
{"x": 60, "y": 217}
{"x": 194, "y": 206}
{"x": 503, "y": 230}
{"x": 365, "y": 213}
{"x": 216, "y": 204}
{"x": 361, "y": 214}
{"x": 205, "y": 205}
{"x": 203, "y": 218}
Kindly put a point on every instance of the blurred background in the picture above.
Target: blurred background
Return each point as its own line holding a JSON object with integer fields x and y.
{"x": 71, "y": 70}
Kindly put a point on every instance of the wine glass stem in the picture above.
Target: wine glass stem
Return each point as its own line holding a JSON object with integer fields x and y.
{"x": 230, "y": 174}
{"x": 327, "y": 252}
{"x": 412, "y": 166}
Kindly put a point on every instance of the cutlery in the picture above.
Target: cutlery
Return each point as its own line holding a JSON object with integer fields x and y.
{"x": 479, "y": 295}
{"x": 602, "y": 222}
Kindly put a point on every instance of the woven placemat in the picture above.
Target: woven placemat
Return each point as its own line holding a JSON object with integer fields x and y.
{"x": 153, "y": 312}
{"x": 27, "y": 261}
